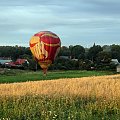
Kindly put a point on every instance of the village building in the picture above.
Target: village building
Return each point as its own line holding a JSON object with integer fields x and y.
{"x": 3, "y": 60}
{"x": 115, "y": 61}
{"x": 118, "y": 68}
{"x": 7, "y": 62}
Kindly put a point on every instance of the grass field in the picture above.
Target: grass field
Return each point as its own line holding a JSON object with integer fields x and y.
{"x": 87, "y": 98}
{"x": 10, "y": 76}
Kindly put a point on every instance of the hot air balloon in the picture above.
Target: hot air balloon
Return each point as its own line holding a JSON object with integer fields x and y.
{"x": 45, "y": 46}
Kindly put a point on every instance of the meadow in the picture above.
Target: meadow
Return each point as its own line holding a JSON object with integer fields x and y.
{"x": 85, "y": 98}
{"x": 15, "y": 75}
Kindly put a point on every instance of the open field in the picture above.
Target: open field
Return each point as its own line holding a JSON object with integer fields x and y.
{"x": 87, "y": 98}
{"x": 10, "y": 76}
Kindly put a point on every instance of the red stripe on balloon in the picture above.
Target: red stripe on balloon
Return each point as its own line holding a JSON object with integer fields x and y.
{"x": 50, "y": 40}
{"x": 32, "y": 45}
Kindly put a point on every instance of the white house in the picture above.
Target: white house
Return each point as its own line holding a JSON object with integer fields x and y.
{"x": 114, "y": 61}
{"x": 118, "y": 68}
{"x": 3, "y": 60}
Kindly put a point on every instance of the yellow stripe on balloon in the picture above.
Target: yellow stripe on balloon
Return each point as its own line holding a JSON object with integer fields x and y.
{"x": 49, "y": 35}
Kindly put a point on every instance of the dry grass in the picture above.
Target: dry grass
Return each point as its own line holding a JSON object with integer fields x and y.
{"x": 107, "y": 87}
{"x": 88, "y": 98}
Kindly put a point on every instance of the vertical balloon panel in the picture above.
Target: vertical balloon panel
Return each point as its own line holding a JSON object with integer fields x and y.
{"x": 45, "y": 46}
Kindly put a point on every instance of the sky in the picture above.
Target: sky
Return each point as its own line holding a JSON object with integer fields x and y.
{"x": 76, "y": 22}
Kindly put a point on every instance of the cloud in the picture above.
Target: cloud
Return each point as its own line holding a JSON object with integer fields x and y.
{"x": 81, "y": 19}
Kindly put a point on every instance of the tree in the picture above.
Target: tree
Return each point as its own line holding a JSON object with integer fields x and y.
{"x": 106, "y": 48}
{"x": 78, "y": 52}
{"x": 85, "y": 64}
{"x": 64, "y": 51}
{"x": 103, "y": 57}
{"x": 93, "y": 51}
{"x": 115, "y": 52}
{"x": 65, "y": 64}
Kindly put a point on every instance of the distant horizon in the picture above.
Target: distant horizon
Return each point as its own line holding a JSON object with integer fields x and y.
{"x": 65, "y": 45}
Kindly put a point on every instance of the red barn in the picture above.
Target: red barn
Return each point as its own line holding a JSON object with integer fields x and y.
{"x": 18, "y": 63}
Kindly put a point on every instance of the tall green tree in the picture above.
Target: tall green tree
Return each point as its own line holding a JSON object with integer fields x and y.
{"x": 64, "y": 51}
{"x": 78, "y": 52}
{"x": 115, "y": 52}
{"x": 103, "y": 57}
{"x": 93, "y": 52}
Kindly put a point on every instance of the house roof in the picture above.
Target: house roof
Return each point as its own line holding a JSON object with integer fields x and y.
{"x": 20, "y": 61}
{"x": 5, "y": 58}
{"x": 4, "y": 61}
{"x": 64, "y": 57}
{"x": 115, "y": 61}
{"x": 17, "y": 62}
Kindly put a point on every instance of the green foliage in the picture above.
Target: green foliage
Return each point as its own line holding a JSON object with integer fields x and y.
{"x": 65, "y": 64}
{"x": 96, "y": 57}
{"x": 104, "y": 57}
{"x": 115, "y": 51}
{"x": 78, "y": 52}
{"x": 85, "y": 64}
{"x": 64, "y": 51}
{"x": 93, "y": 51}
{"x": 13, "y": 51}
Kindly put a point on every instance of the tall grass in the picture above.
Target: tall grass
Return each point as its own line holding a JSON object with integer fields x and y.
{"x": 88, "y": 98}
{"x": 58, "y": 108}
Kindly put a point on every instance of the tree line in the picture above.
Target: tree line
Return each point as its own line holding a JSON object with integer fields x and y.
{"x": 72, "y": 57}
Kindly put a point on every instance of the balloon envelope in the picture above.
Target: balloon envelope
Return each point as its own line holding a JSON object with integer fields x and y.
{"x": 45, "y": 46}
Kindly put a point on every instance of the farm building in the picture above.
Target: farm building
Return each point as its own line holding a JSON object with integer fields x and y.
{"x": 64, "y": 57}
{"x": 114, "y": 61}
{"x": 21, "y": 61}
{"x": 3, "y": 60}
{"x": 18, "y": 63}
{"x": 118, "y": 68}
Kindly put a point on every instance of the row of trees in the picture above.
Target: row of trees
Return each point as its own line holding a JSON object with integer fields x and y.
{"x": 93, "y": 53}
{"x": 72, "y": 57}
{"x": 95, "y": 57}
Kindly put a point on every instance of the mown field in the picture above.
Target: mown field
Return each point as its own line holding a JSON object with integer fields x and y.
{"x": 12, "y": 75}
{"x": 86, "y": 98}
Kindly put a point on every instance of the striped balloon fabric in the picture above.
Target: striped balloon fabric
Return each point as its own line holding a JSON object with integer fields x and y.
{"x": 45, "y": 46}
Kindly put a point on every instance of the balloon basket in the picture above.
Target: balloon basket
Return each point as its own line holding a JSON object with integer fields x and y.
{"x": 45, "y": 72}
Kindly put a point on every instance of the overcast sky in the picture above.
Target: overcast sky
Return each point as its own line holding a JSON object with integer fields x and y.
{"x": 82, "y": 22}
